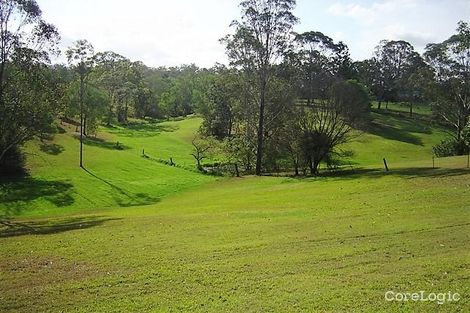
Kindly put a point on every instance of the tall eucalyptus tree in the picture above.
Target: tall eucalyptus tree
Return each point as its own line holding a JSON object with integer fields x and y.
{"x": 261, "y": 38}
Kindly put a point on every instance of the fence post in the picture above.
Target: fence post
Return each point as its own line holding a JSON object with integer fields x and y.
{"x": 386, "y": 166}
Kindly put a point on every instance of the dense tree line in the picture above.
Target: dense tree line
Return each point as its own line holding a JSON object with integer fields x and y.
{"x": 289, "y": 101}
{"x": 286, "y": 102}
{"x": 30, "y": 92}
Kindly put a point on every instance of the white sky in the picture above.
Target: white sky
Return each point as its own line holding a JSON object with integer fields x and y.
{"x": 175, "y": 32}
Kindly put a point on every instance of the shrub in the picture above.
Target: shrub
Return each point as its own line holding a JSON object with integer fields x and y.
{"x": 13, "y": 163}
{"x": 450, "y": 147}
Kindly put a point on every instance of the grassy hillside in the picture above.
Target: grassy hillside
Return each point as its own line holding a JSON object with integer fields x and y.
{"x": 399, "y": 139}
{"x": 404, "y": 107}
{"x": 251, "y": 245}
{"x": 136, "y": 235}
{"x": 114, "y": 178}
{"x": 121, "y": 178}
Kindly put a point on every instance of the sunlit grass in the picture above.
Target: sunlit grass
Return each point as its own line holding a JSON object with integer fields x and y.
{"x": 133, "y": 235}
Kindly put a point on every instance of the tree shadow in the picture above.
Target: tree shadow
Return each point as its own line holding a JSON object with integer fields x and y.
{"x": 124, "y": 198}
{"x": 61, "y": 130}
{"x": 52, "y": 149}
{"x": 101, "y": 143}
{"x": 393, "y": 133}
{"x": 409, "y": 172}
{"x": 13, "y": 228}
{"x": 16, "y": 194}
{"x": 398, "y": 128}
{"x": 141, "y": 129}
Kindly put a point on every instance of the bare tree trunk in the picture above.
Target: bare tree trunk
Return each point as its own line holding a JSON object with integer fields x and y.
{"x": 85, "y": 133}
{"x": 259, "y": 152}
{"x": 310, "y": 165}
{"x": 2, "y": 73}
{"x": 81, "y": 120}
{"x": 110, "y": 111}
{"x": 237, "y": 172}
{"x": 314, "y": 170}
{"x": 126, "y": 109}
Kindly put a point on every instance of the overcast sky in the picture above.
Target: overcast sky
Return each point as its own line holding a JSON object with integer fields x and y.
{"x": 175, "y": 32}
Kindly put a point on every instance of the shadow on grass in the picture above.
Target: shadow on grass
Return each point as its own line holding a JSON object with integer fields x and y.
{"x": 101, "y": 143}
{"x": 410, "y": 172}
{"x": 399, "y": 128}
{"x": 10, "y": 228}
{"x": 141, "y": 129}
{"x": 61, "y": 130}
{"x": 52, "y": 149}
{"x": 393, "y": 133}
{"x": 124, "y": 198}
{"x": 16, "y": 194}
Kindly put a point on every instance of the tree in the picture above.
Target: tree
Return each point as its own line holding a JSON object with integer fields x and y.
{"x": 450, "y": 60}
{"x": 81, "y": 57}
{"x": 261, "y": 38}
{"x": 110, "y": 77}
{"x": 95, "y": 105}
{"x": 178, "y": 99}
{"x": 420, "y": 85}
{"x": 29, "y": 91}
{"x": 393, "y": 64}
{"x": 322, "y": 129}
{"x": 291, "y": 142}
{"x": 218, "y": 110}
{"x": 200, "y": 150}
{"x": 367, "y": 72}
{"x": 351, "y": 99}
{"x": 320, "y": 62}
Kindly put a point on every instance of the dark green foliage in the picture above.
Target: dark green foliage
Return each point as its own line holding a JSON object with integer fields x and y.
{"x": 218, "y": 111}
{"x": 29, "y": 103}
{"x": 450, "y": 147}
{"x": 319, "y": 62}
{"x": 352, "y": 99}
{"x": 96, "y": 103}
{"x": 262, "y": 38}
{"x": 450, "y": 60}
{"x": 12, "y": 163}
{"x": 29, "y": 92}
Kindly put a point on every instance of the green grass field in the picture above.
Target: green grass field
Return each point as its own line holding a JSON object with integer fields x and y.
{"x": 403, "y": 107}
{"x": 134, "y": 235}
{"x": 114, "y": 178}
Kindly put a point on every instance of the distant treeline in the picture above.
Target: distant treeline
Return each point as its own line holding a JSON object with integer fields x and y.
{"x": 286, "y": 100}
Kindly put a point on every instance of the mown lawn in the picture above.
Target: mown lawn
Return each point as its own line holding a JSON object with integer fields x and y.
{"x": 404, "y": 107}
{"x": 138, "y": 236}
{"x": 398, "y": 139}
{"x": 113, "y": 177}
{"x": 253, "y": 244}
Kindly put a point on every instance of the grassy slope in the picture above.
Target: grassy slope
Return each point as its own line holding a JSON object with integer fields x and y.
{"x": 250, "y": 244}
{"x": 115, "y": 178}
{"x": 420, "y": 109}
{"x": 254, "y": 245}
{"x": 399, "y": 139}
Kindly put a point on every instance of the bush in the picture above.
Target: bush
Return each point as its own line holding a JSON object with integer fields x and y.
{"x": 352, "y": 99}
{"x": 13, "y": 163}
{"x": 450, "y": 147}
